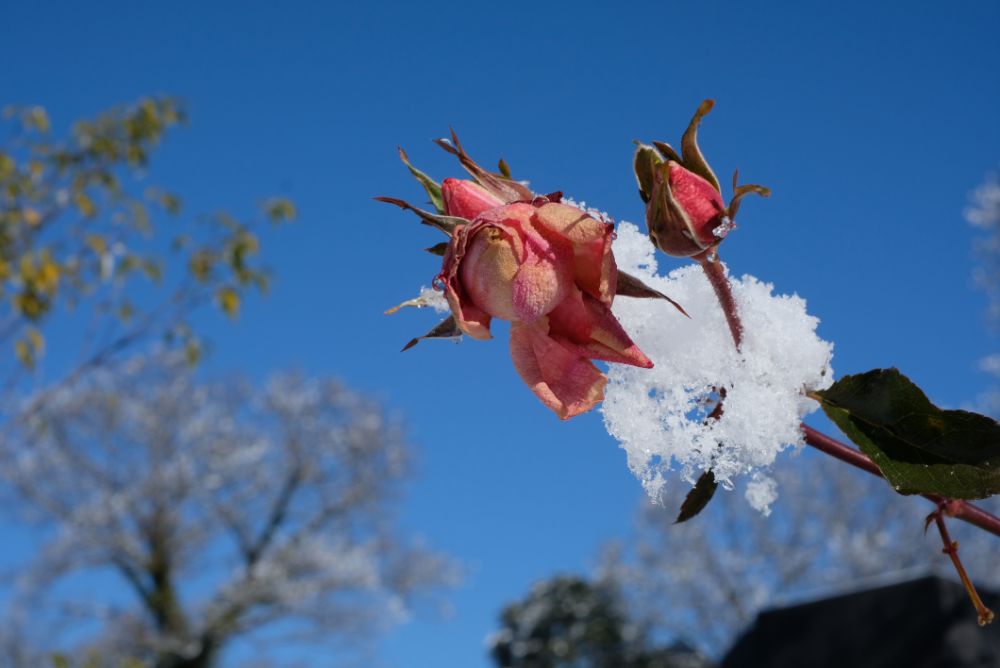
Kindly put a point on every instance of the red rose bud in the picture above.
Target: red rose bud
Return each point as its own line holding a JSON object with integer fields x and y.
{"x": 685, "y": 213}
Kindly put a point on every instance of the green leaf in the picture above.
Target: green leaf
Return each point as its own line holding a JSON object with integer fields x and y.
{"x": 432, "y": 187}
{"x": 698, "y": 497}
{"x": 920, "y": 448}
{"x": 279, "y": 210}
{"x": 229, "y": 301}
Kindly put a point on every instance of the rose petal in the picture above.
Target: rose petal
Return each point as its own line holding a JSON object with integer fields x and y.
{"x": 563, "y": 380}
{"x": 467, "y": 198}
{"x": 544, "y": 279}
{"x": 700, "y": 200}
{"x": 588, "y": 326}
{"x": 470, "y": 318}
{"x": 594, "y": 266}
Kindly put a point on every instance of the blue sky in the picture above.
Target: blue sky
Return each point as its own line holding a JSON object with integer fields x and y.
{"x": 870, "y": 122}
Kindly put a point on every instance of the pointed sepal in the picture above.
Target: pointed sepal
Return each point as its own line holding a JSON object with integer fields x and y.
{"x": 432, "y": 187}
{"x": 446, "y": 329}
{"x": 667, "y": 151}
{"x": 446, "y": 224}
{"x": 693, "y": 158}
{"x": 645, "y": 162}
{"x": 500, "y": 185}
{"x": 630, "y": 286}
{"x": 739, "y": 192}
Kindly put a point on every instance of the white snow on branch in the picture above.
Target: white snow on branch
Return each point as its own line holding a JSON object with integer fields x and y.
{"x": 659, "y": 416}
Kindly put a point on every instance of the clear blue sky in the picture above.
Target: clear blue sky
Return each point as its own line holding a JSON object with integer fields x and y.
{"x": 870, "y": 121}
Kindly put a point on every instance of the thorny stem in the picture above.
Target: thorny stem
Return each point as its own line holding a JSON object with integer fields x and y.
{"x": 951, "y": 549}
{"x": 723, "y": 291}
{"x": 962, "y": 510}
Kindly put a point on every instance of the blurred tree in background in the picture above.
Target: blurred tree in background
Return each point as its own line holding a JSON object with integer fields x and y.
{"x": 87, "y": 241}
{"x": 983, "y": 213}
{"x": 226, "y": 511}
{"x": 569, "y": 622}
{"x": 833, "y": 529}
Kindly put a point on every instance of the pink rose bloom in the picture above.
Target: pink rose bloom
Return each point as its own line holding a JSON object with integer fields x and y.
{"x": 548, "y": 269}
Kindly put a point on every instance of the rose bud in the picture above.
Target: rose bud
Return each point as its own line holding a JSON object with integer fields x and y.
{"x": 548, "y": 269}
{"x": 685, "y": 213}
{"x": 545, "y": 266}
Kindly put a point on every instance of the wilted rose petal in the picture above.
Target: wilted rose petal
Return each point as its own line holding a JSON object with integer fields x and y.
{"x": 563, "y": 380}
{"x": 593, "y": 263}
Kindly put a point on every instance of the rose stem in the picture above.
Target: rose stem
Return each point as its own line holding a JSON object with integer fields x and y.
{"x": 723, "y": 291}
{"x": 961, "y": 510}
{"x": 951, "y": 549}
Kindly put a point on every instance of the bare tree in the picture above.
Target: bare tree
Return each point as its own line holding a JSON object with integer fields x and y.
{"x": 226, "y": 510}
{"x": 832, "y": 530}
{"x": 983, "y": 213}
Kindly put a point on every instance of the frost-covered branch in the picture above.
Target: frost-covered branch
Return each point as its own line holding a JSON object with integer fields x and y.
{"x": 225, "y": 508}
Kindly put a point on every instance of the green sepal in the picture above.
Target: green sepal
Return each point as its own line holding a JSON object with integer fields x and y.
{"x": 432, "y": 187}
{"x": 693, "y": 159}
{"x": 739, "y": 192}
{"x": 446, "y": 329}
{"x": 446, "y": 224}
{"x": 630, "y": 286}
{"x": 644, "y": 163}
{"x": 498, "y": 184}
{"x": 668, "y": 152}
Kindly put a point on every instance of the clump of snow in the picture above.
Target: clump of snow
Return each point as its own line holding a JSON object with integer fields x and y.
{"x": 433, "y": 298}
{"x": 659, "y": 415}
{"x": 761, "y": 492}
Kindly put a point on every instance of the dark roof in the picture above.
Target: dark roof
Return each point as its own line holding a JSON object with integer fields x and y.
{"x": 924, "y": 623}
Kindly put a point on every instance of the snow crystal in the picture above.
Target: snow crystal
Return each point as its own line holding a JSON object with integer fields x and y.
{"x": 659, "y": 415}
{"x": 434, "y": 299}
{"x": 726, "y": 225}
{"x": 761, "y": 492}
